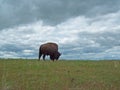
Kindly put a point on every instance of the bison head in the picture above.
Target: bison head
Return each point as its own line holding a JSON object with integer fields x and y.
{"x": 55, "y": 56}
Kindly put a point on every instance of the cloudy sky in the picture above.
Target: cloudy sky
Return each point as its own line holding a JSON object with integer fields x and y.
{"x": 83, "y": 29}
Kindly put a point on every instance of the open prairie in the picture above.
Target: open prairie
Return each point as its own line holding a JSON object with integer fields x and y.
{"x": 21, "y": 74}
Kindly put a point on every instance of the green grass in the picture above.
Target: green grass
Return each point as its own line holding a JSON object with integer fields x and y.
{"x": 21, "y": 74}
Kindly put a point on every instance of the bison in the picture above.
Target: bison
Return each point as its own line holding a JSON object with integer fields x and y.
{"x": 50, "y": 49}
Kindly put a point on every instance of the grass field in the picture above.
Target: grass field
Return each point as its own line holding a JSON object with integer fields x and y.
{"x": 21, "y": 74}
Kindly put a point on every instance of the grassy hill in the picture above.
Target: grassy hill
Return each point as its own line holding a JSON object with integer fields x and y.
{"x": 16, "y": 74}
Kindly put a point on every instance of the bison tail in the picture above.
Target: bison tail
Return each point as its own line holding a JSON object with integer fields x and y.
{"x": 40, "y": 53}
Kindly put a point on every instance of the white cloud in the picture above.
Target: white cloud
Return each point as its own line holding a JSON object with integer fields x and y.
{"x": 78, "y": 38}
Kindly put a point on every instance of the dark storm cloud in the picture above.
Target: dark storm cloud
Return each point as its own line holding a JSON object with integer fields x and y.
{"x": 16, "y": 12}
{"x": 78, "y": 38}
{"x": 13, "y": 50}
{"x": 106, "y": 39}
{"x": 83, "y": 29}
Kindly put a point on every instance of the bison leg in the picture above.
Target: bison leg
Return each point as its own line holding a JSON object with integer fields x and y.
{"x": 40, "y": 56}
{"x": 44, "y": 57}
{"x": 51, "y": 57}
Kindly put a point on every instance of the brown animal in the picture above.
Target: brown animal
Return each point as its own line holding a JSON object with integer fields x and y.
{"x": 50, "y": 49}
